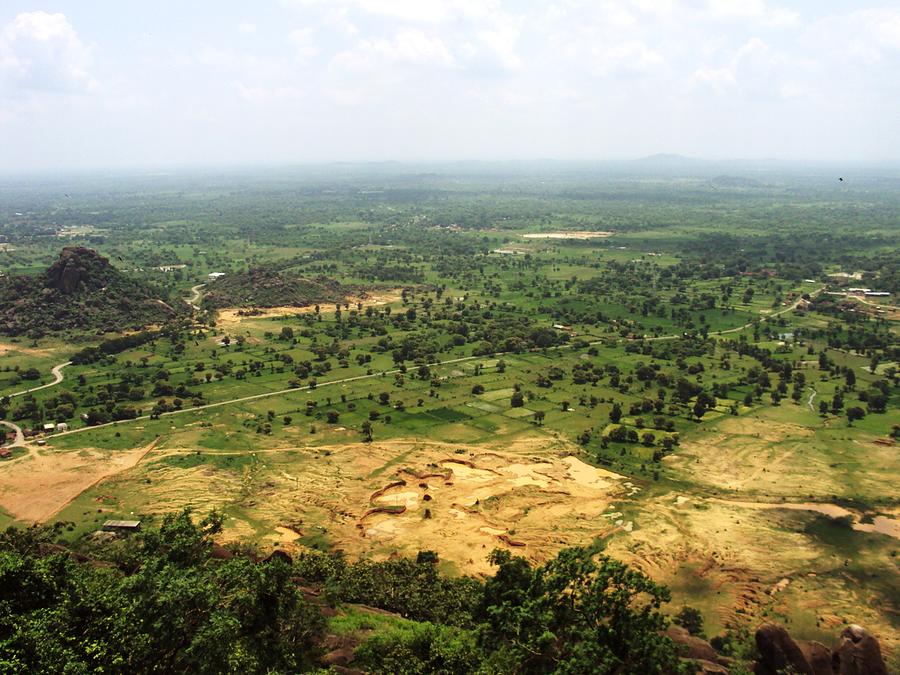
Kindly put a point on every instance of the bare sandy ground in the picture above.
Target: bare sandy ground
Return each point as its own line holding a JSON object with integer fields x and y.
{"x": 39, "y": 486}
{"x": 385, "y": 498}
{"x": 7, "y": 347}
{"x": 583, "y": 234}
{"x": 232, "y": 316}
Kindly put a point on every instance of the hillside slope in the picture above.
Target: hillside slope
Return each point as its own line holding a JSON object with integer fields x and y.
{"x": 268, "y": 288}
{"x": 81, "y": 290}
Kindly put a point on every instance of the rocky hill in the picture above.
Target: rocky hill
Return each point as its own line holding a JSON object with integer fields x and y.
{"x": 263, "y": 287}
{"x": 81, "y": 290}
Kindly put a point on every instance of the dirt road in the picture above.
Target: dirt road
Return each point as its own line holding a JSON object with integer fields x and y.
{"x": 20, "y": 437}
{"x": 195, "y": 296}
{"x": 57, "y": 373}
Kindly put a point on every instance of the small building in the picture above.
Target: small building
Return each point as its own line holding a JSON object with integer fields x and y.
{"x": 5, "y": 454}
{"x": 215, "y": 275}
{"x": 62, "y": 426}
{"x": 122, "y": 525}
{"x": 41, "y": 441}
{"x": 49, "y": 428}
{"x": 877, "y": 294}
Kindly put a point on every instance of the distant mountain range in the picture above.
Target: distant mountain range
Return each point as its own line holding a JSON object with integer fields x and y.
{"x": 82, "y": 291}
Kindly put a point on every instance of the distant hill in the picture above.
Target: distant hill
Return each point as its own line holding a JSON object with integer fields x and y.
{"x": 264, "y": 287}
{"x": 80, "y": 291}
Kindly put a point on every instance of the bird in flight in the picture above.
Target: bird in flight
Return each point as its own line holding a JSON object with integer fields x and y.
{"x": 841, "y": 179}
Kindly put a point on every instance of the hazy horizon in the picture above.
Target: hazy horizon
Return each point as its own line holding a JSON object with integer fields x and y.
{"x": 98, "y": 85}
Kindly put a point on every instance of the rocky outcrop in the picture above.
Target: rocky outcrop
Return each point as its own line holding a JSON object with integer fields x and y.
{"x": 691, "y": 646}
{"x": 778, "y": 652}
{"x": 80, "y": 290}
{"x": 263, "y": 287}
{"x": 858, "y": 653}
{"x": 72, "y": 268}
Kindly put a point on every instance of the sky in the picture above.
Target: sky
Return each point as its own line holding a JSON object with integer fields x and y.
{"x": 105, "y": 83}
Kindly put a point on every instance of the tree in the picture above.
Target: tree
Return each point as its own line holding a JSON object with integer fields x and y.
{"x": 854, "y": 413}
{"x": 167, "y": 606}
{"x": 618, "y": 434}
{"x": 578, "y": 613}
{"x": 699, "y": 408}
{"x": 615, "y": 414}
{"x": 367, "y": 431}
{"x": 837, "y": 403}
{"x": 517, "y": 400}
{"x": 539, "y": 417}
{"x": 690, "y": 619}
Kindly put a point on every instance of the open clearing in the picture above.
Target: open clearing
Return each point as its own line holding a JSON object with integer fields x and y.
{"x": 371, "y": 499}
{"x": 37, "y": 487}
{"x": 731, "y": 560}
{"x": 580, "y": 234}
{"x": 233, "y": 316}
{"x": 786, "y": 459}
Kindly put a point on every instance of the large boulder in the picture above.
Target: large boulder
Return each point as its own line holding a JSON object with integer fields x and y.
{"x": 817, "y": 655}
{"x": 690, "y": 646}
{"x": 858, "y": 653}
{"x": 778, "y": 652}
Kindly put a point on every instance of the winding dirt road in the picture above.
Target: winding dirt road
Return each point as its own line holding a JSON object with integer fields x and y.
{"x": 195, "y": 296}
{"x": 20, "y": 437}
{"x": 57, "y": 373}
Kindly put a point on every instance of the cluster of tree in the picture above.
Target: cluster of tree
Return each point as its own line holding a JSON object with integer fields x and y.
{"x": 115, "y": 345}
{"x": 166, "y": 600}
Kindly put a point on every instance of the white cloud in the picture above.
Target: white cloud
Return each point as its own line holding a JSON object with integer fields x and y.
{"x": 756, "y": 70}
{"x": 719, "y": 79}
{"x": 247, "y": 27}
{"x": 412, "y": 11}
{"x": 753, "y": 10}
{"x": 304, "y": 44}
{"x": 633, "y": 56}
{"x": 409, "y": 47}
{"x": 268, "y": 95}
{"x": 42, "y": 52}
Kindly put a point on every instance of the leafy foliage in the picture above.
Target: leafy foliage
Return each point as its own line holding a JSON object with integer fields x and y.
{"x": 173, "y": 609}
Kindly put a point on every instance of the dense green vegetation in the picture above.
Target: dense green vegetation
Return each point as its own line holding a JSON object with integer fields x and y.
{"x": 163, "y": 602}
